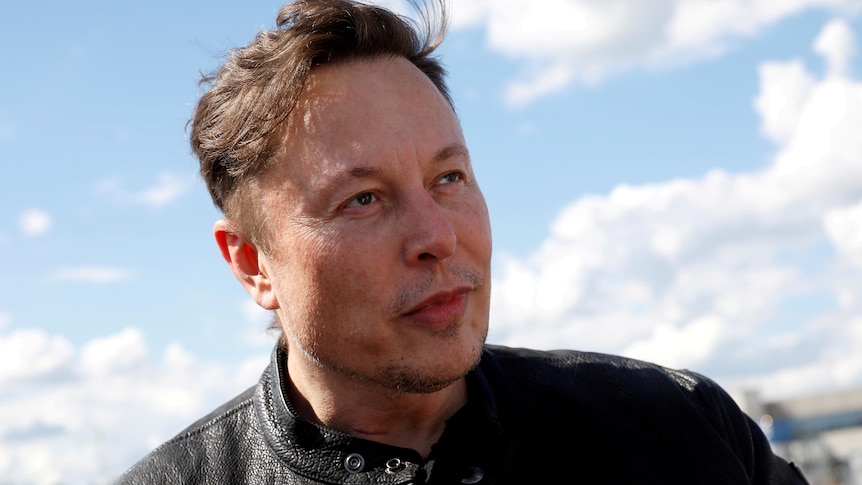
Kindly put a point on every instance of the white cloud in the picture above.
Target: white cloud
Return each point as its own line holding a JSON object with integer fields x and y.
{"x": 678, "y": 347}
{"x": 565, "y": 41}
{"x": 28, "y": 355}
{"x": 167, "y": 189}
{"x": 844, "y": 227}
{"x": 738, "y": 275}
{"x": 838, "y": 367}
{"x": 837, "y": 45}
{"x": 98, "y": 275}
{"x": 34, "y": 222}
{"x": 118, "y": 353}
{"x": 84, "y": 415}
{"x": 780, "y": 105}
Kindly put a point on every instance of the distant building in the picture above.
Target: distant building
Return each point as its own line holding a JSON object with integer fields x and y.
{"x": 822, "y": 434}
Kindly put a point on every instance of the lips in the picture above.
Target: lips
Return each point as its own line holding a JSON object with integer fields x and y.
{"x": 440, "y": 308}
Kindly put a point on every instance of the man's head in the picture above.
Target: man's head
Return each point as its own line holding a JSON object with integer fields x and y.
{"x": 236, "y": 125}
{"x": 373, "y": 241}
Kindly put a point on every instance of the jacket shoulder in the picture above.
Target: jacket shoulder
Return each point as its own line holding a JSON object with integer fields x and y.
{"x": 589, "y": 368}
{"x": 606, "y": 383}
{"x": 654, "y": 407}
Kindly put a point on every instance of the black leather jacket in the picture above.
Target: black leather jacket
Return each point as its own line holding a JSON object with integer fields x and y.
{"x": 533, "y": 418}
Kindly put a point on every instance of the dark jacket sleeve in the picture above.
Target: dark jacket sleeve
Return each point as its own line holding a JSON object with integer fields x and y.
{"x": 630, "y": 421}
{"x": 742, "y": 433}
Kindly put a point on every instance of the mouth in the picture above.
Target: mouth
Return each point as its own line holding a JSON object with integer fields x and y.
{"x": 440, "y": 308}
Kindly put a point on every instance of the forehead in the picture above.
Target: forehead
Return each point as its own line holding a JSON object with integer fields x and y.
{"x": 338, "y": 94}
{"x": 365, "y": 112}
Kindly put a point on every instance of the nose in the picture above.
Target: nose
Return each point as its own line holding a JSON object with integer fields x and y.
{"x": 428, "y": 232}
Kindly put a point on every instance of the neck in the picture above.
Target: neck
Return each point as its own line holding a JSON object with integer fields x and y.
{"x": 369, "y": 410}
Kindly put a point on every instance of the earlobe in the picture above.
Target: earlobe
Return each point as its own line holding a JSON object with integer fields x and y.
{"x": 246, "y": 264}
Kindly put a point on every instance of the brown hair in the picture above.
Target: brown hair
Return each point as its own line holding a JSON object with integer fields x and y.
{"x": 235, "y": 126}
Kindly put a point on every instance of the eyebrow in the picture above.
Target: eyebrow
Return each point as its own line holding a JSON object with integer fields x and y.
{"x": 363, "y": 171}
{"x": 450, "y": 152}
{"x": 444, "y": 154}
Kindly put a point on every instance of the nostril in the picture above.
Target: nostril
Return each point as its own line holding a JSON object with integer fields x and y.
{"x": 426, "y": 257}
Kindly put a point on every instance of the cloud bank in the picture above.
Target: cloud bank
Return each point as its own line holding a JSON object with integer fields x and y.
{"x": 561, "y": 42}
{"x": 754, "y": 276}
{"x": 83, "y": 415}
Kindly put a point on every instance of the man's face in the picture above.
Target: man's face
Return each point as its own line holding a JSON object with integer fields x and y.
{"x": 379, "y": 238}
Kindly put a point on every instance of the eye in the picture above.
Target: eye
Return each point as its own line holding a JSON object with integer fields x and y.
{"x": 450, "y": 178}
{"x": 363, "y": 199}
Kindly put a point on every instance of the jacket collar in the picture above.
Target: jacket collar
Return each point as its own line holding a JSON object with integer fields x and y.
{"x": 474, "y": 436}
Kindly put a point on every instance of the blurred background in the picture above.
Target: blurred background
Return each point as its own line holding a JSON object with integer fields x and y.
{"x": 675, "y": 180}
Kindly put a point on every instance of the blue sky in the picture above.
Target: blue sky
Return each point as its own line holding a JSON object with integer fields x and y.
{"x": 676, "y": 180}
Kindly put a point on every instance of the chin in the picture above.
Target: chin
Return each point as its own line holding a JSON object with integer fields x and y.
{"x": 421, "y": 382}
{"x": 443, "y": 370}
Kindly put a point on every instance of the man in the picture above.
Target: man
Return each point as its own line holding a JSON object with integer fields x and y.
{"x": 353, "y": 213}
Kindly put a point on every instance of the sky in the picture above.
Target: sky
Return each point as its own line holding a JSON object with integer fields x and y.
{"x": 678, "y": 181}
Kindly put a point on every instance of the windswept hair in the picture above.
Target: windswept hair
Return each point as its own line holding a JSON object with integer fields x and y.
{"x": 235, "y": 128}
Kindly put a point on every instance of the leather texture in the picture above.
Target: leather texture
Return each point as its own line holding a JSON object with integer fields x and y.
{"x": 533, "y": 417}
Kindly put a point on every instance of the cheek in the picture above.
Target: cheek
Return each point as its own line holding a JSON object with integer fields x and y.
{"x": 346, "y": 297}
{"x": 336, "y": 272}
{"x": 301, "y": 261}
{"x": 476, "y": 228}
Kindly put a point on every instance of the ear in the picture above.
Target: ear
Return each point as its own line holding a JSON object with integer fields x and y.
{"x": 246, "y": 263}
